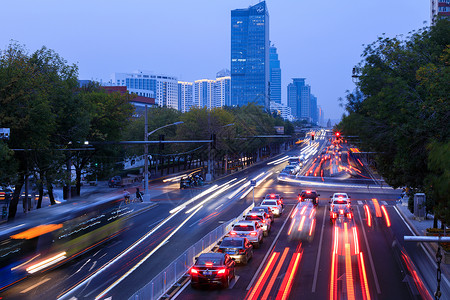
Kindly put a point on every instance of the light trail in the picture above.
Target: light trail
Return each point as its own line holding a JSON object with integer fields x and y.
{"x": 348, "y": 273}
{"x": 377, "y": 208}
{"x": 290, "y": 228}
{"x": 182, "y": 206}
{"x": 386, "y": 216}
{"x": 312, "y": 226}
{"x": 275, "y": 274}
{"x": 364, "y": 277}
{"x": 286, "y": 286}
{"x": 257, "y": 289}
{"x": 278, "y": 161}
{"x": 355, "y": 240}
{"x": 333, "y": 275}
{"x": 368, "y": 215}
{"x": 221, "y": 190}
{"x": 146, "y": 257}
{"x": 300, "y": 227}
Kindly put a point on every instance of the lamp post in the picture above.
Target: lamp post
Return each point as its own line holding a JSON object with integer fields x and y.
{"x": 147, "y": 134}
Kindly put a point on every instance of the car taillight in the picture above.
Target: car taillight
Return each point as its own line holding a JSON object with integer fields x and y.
{"x": 253, "y": 233}
{"x": 220, "y": 250}
{"x": 194, "y": 271}
{"x": 341, "y": 211}
{"x": 221, "y": 271}
{"x": 232, "y": 233}
{"x": 264, "y": 221}
{"x": 349, "y": 215}
{"x": 241, "y": 251}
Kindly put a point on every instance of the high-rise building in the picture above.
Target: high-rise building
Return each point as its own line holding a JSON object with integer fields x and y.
{"x": 164, "y": 88}
{"x": 204, "y": 93}
{"x": 275, "y": 75}
{"x": 313, "y": 109}
{"x": 300, "y": 100}
{"x": 250, "y": 56}
{"x": 222, "y": 90}
{"x": 439, "y": 8}
{"x": 185, "y": 96}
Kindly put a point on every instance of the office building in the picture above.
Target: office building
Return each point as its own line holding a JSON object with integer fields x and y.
{"x": 275, "y": 75}
{"x": 282, "y": 110}
{"x": 161, "y": 87}
{"x": 204, "y": 93}
{"x": 313, "y": 109}
{"x": 300, "y": 100}
{"x": 439, "y": 8}
{"x": 250, "y": 74}
{"x": 185, "y": 96}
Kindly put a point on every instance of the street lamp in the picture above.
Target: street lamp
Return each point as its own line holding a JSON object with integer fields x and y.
{"x": 146, "y": 150}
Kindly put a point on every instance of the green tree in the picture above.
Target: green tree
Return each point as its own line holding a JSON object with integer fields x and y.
{"x": 400, "y": 106}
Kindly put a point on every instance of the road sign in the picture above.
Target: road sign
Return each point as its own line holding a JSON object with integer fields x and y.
{"x": 252, "y": 182}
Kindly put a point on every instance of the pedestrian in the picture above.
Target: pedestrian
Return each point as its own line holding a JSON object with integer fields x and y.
{"x": 139, "y": 195}
{"x": 126, "y": 195}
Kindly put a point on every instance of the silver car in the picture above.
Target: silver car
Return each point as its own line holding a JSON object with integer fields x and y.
{"x": 262, "y": 218}
{"x": 250, "y": 230}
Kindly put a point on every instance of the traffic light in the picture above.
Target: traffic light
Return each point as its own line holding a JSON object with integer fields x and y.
{"x": 338, "y": 135}
{"x": 161, "y": 145}
{"x": 312, "y": 135}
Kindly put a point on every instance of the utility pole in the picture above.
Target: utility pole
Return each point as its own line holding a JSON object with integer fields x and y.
{"x": 146, "y": 196}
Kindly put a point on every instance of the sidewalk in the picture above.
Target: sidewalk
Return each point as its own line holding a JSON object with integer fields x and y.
{"x": 419, "y": 228}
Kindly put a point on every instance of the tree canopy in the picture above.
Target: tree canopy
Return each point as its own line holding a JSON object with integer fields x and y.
{"x": 400, "y": 109}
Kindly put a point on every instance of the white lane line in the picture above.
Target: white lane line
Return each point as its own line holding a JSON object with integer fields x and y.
{"x": 233, "y": 282}
{"x": 421, "y": 244}
{"x": 375, "y": 278}
{"x": 35, "y": 285}
{"x": 219, "y": 206}
{"x": 268, "y": 252}
{"x": 155, "y": 222}
{"x": 316, "y": 271}
{"x": 384, "y": 202}
{"x": 93, "y": 265}
{"x": 181, "y": 290}
{"x": 83, "y": 266}
{"x": 360, "y": 202}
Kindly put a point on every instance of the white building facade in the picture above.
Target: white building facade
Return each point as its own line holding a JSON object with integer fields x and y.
{"x": 185, "y": 96}
{"x": 162, "y": 87}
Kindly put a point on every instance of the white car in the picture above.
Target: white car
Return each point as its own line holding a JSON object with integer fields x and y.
{"x": 276, "y": 207}
{"x": 250, "y": 230}
{"x": 262, "y": 218}
{"x": 340, "y": 206}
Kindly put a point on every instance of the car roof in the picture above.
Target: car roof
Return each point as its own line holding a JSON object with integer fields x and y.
{"x": 257, "y": 213}
{"x": 267, "y": 200}
{"x": 340, "y": 194}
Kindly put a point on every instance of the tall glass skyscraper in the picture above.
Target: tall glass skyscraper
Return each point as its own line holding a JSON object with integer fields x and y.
{"x": 275, "y": 76}
{"x": 250, "y": 73}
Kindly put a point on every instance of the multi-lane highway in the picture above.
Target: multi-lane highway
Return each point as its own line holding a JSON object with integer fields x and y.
{"x": 362, "y": 257}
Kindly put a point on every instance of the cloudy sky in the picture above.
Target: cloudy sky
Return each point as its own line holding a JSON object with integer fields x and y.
{"x": 318, "y": 40}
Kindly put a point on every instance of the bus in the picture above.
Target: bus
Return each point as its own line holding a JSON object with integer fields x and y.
{"x": 54, "y": 235}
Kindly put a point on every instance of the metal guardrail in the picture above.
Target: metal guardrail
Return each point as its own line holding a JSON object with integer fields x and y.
{"x": 162, "y": 282}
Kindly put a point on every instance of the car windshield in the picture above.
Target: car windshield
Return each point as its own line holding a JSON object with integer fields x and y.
{"x": 258, "y": 209}
{"x": 231, "y": 243}
{"x": 269, "y": 203}
{"x": 243, "y": 228}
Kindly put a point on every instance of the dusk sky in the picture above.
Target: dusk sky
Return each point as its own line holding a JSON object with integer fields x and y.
{"x": 318, "y": 40}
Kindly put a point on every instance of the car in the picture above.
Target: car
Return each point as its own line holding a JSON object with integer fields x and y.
{"x": 277, "y": 197}
{"x": 250, "y": 230}
{"x": 340, "y": 207}
{"x": 309, "y": 195}
{"x": 263, "y": 220}
{"x": 276, "y": 208}
{"x": 212, "y": 268}
{"x": 290, "y": 169}
{"x": 115, "y": 181}
{"x": 295, "y": 160}
{"x": 238, "y": 248}
{"x": 265, "y": 209}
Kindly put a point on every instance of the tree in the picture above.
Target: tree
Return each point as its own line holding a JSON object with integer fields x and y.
{"x": 401, "y": 107}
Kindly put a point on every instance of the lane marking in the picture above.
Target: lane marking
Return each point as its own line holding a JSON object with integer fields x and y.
{"x": 384, "y": 202}
{"x": 219, "y": 206}
{"x": 360, "y": 202}
{"x": 35, "y": 285}
{"x": 268, "y": 252}
{"x": 377, "y": 285}
{"x": 155, "y": 223}
{"x": 233, "y": 282}
{"x": 316, "y": 270}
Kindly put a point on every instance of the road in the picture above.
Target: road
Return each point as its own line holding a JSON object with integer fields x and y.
{"x": 352, "y": 259}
